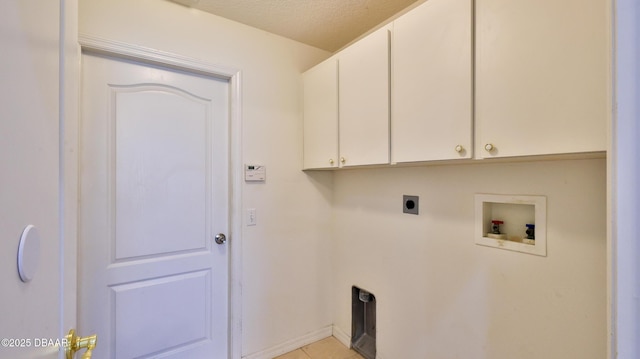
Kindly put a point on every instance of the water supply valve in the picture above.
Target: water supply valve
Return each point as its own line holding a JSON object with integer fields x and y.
{"x": 531, "y": 231}
{"x": 495, "y": 230}
{"x": 495, "y": 226}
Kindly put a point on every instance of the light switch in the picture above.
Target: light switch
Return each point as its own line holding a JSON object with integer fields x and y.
{"x": 251, "y": 217}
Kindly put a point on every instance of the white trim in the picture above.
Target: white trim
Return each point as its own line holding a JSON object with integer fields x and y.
{"x": 235, "y": 241}
{"x": 62, "y": 169}
{"x": 611, "y": 218}
{"x": 153, "y": 56}
{"x": 70, "y": 84}
{"x": 149, "y": 55}
{"x": 345, "y": 339}
{"x": 624, "y": 177}
{"x": 342, "y": 336}
{"x": 292, "y": 344}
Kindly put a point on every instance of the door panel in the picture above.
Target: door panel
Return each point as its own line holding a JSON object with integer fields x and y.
{"x": 321, "y": 115}
{"x": 432, "y": 82}
{"x": 153, "y": 283}
{"x": 541, "y": 77}
{"x": 161, "y": 187}
{"x": 364, "y": 100}
{"x": 186, "y": 306}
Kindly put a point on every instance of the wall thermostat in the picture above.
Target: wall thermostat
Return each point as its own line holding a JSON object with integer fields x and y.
{"x": 255, "y": 173}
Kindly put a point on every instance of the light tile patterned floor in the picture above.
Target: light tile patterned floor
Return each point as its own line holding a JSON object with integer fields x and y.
{"x": 328, "y": 348}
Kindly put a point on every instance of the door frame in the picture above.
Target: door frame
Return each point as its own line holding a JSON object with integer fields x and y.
{"x": 234, "y": 76}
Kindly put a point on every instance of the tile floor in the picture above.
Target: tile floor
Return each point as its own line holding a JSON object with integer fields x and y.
{"x": 328, "y": 348}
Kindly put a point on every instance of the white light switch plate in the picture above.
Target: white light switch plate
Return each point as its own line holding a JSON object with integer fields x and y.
{"x": 251, "y": 217}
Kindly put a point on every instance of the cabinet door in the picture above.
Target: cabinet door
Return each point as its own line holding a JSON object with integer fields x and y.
{"x": 432, "y": 87}
{"x": 364, "y": 100}
{"x": 541, "y": 76}
{"x": 321, "y": 115}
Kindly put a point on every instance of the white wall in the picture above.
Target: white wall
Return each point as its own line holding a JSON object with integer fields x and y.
{"x": 286, "y": 279}
{"x": 441, "y": 296}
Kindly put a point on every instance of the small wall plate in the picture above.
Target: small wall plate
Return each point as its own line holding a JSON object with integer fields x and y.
{"x": 410, "y": 204}
{"x": 255, "y": 173}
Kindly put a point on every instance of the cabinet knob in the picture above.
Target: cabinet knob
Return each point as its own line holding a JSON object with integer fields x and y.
{"x": 331, "y": 161}
{"x": 459, "y": 148}
{"x": 342, "y": 160}
{"x": 488, "y": 147}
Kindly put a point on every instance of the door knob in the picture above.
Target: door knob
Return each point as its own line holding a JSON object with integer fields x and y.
{"x": 75, "y": 343}
{"x": 220, "y": 238}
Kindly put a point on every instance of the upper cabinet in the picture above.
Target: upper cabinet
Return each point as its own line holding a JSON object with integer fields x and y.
{"x": 364, "y": 100}
{"x": 542, "y": 77}
{"x": 432, "y": 103}
{"x": 321, "y": 115}
{"x": 462, "y": 79}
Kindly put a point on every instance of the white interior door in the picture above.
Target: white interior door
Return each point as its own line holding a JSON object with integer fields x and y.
{"x": 153, "y": 282}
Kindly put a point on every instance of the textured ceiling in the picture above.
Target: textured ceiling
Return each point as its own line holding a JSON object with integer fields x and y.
{"x": 326, "y": 24}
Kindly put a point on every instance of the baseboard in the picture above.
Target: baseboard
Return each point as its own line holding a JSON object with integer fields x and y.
{"x": 345, "y": 338}
{"x": 342, "y": 336}
{"x": 292, "y": 345}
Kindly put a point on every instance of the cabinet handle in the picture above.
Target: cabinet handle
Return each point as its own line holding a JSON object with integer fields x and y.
{"x": 342, "y": 160}
{"x": 488, "y": 147}
{"x": 331, "y": 161}
{"x": 459, "y": 148}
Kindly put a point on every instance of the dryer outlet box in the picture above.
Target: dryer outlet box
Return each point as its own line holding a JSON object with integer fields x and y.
{"x": 410, "y": 204}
